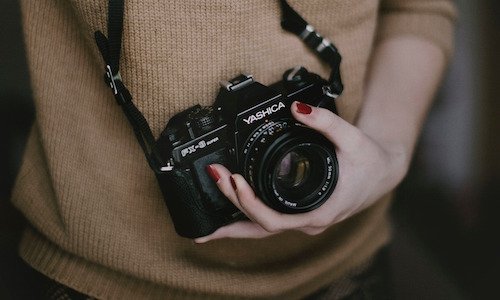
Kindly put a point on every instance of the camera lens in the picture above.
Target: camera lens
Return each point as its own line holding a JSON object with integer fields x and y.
{"x": 291, "y": 168}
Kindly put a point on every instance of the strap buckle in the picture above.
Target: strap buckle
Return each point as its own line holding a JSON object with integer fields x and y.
{"x": 306, "y": 32}
{"x": 327, "y": 91}
{"x": 112, "y": 79}
{"x": 122, "y": 95}
{"x": 169, "y": 166}
{"x": 315, "y": 41}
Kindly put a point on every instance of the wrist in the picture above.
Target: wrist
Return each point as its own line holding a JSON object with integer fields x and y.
{"x": 398, "y": 158}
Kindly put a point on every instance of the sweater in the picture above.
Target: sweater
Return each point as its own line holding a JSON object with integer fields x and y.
{"x": 97, "y": 219}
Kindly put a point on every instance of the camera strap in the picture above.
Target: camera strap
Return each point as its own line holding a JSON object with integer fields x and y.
{"x": 110, "y": 48}
{"x": 294, "y": 23}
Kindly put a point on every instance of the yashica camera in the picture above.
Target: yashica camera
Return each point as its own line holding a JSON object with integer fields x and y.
{"x": 250, "y": 130}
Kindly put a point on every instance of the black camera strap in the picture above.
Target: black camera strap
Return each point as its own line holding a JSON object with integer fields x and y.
{"x": 294, "y": 23}
{"x": 110, "y": 48}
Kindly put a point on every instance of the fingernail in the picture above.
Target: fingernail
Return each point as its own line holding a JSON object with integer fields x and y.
{"x": 212, "y": 172}
{"x": 303, "y": 108}
{"x": 233, "y": 183}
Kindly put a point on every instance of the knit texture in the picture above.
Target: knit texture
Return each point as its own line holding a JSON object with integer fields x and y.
{"x": 98, "y": 220}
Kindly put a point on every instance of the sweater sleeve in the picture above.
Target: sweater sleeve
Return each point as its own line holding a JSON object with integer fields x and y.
{"x": 429, "y": 19}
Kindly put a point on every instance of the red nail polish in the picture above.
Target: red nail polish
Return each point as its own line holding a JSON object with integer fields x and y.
{"x": 303, "y": 108}
{"x": 233, "y": 183}
{"x": 212, "y": 172}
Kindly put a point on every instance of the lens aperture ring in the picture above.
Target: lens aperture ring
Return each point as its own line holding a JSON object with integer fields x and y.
{"x": 256, "y": 144}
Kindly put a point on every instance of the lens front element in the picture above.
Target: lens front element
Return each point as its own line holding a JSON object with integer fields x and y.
{"x": 292, "y": 171}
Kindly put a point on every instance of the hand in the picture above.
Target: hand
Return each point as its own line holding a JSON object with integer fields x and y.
{"x": 373, "y": 157}
{"x": 367, "y": 171}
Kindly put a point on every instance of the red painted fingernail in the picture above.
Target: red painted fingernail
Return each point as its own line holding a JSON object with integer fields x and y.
{"x": 303, "y": 108}
{"x": 212, "y": 172}
{"x": 233, "y": 183}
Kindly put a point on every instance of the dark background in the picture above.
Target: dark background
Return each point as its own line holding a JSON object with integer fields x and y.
{"x": 446, "y": 212}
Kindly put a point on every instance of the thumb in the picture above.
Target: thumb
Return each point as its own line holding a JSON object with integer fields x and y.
{"x": 340, "y": 132}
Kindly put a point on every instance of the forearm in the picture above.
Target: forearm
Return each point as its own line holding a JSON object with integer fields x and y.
{"x": 403, "y": 77}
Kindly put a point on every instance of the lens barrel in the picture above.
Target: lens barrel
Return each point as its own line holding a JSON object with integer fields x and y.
{"x": 291, "y": 167}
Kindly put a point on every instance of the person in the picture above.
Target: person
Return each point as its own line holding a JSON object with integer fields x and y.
{"x": 97, "y": 222}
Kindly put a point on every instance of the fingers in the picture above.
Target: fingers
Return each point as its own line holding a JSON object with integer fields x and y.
{"x": 265, "y": 220}
{"x": 241, "y": 229}
{"x": 247, "y": 230}
{"x": 240, "y": 193}
{"x": 340, "y": 132}
{"x": 222, "y": 177}
{"x": 269, "y": 219}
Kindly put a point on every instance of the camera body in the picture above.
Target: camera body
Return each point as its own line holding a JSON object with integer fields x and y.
{"x": 250, "y": 130}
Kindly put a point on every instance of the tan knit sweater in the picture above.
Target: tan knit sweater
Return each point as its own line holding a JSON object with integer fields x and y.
{"x": 98, "y": 221}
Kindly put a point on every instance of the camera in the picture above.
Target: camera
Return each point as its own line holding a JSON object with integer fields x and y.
{"x": 250, "y": 130}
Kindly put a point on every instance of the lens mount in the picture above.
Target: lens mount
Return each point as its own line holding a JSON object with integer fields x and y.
{"x": 292, "y": 168}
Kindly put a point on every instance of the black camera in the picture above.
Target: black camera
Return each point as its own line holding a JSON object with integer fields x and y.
{"x": 251, "y": 131}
